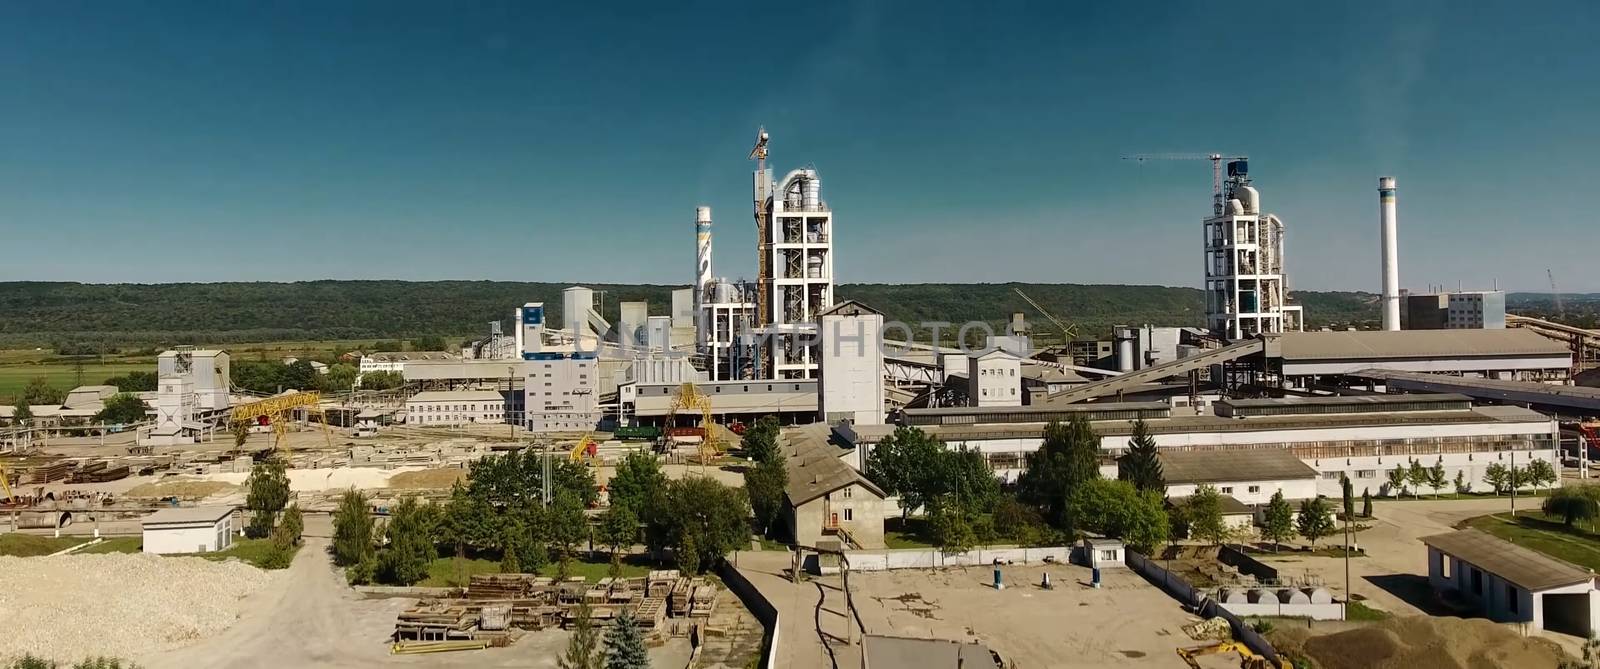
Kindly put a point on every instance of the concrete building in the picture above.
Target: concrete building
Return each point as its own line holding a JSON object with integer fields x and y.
{"x": 560, "y": 392}
{"x": 1471, "y": 310}
{"x": 177, "y": 411}
{"x": 728, "y": 312}
{"x": 826, "y": 497}
{"x": 207, "y": 371}
{"x": 1251, "y": 477}
{"x": 1509, "y": 583}
{"x": 1244, "y": 249}
{"x": 994, "y": 379}
{"x": 792, "y": 402}
{"x": 800, "y": 255}
{"x": 199, "y": 529}
{"x": 530, "y": 329}
{"x": 1362, "y": 437}
{"x": 1501, "y": 354}
{"x": 396, "y": 361}
{"x": 850, "y": 364}
{"x": 439, "y": 408}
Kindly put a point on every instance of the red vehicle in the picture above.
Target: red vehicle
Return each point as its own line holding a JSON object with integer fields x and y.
{"x": 737, "y": 427}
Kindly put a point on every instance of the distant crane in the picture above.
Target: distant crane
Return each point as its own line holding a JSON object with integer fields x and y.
{"x": 1068, "y": 331}
{"x": 1217, "y": 159}
{"x": 1561, "y": 308}
{"x": 764, "y": 271}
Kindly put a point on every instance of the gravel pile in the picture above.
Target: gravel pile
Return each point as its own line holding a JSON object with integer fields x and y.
{"x": 74, "y": 606}
{"x": 1422, "y": 642}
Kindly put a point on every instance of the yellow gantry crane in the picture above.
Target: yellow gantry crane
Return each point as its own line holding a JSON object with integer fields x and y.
{"x": 279, "y": 411}
{"x": 691, "y": 399}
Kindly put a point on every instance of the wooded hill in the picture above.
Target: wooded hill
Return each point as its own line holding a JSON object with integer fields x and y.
{"x": 43, "y": 314}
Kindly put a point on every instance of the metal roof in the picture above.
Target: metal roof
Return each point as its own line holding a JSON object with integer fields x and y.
{"x": 1579, "y": 397}
{"x": 1525, "y": 567}
{"x": 1230, "y": 505}
{"x": 814, "y": 465}
{"x": 1342, "y": 400}
{"x": 1391, "y": 344}
{"x": 1265, "y": 464}
{"x": 187, "y": 515}
{"x": 1042, "y": 409}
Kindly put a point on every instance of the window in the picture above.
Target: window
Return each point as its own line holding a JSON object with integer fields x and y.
{"x": 851, "y": 516}
{"x": 1227, "y": 490}
{"x": 1366, "y": 473}
{"x": 848, "y": 491}
{"x": 1255, "y": 488}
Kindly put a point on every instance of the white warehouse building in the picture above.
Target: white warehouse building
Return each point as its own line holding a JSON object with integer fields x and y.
{"x": 455, "y": 407}
{"x": 197, "y": 529}
{"x": 1362, "y": 437}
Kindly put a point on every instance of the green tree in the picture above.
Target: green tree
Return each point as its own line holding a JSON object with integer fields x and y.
{"x": 1540, "y": 473}
{"x": 583, "y": 646}
{"x": 765, "y": 483}
{"x": 410, "y": 549}
{"x": 1436, "y": 477}
{"x": 40, "y": 393}
{"x": 1461, "y": 483}
{"x": 1021, "y": 523}
{"x": 428, "y": 343}
{"x": 703, "y": 518}
{"x": 529, "y": 531}
{"x": 1347, "y": 496}
{"x": 760, "y": 442}
{"x": 1204, "y": 513}
{"x": 1140, "y": 466}
{"x": 907, "y": 463}
{"x": 299, "y": 375}
{"x": 952, "y": 533}
{"x": 1315, "y": 522}
{"x": 241, "y": 433}
{"x": 23, "y": 413}
{"x": 121, "y": 408}
{"x": 1497, "y": 476}
{"x": 352, "y": 530}
{"x": 134, "y": 382}
{"x": 1574, "y": 503}
{"x": 965, "y": 479}
{"x": 1118, "y": 509}
{"x": 625, "y": 647}
{"x": 568, "y": 527}
{"x": 469, "y": 522}
{"x": 638, "y": 483}
{"x": 341, "y": 377}
{"x": 1366, "y": 503}
{"x": 1069, "y": 457}
{"x": 1278, "y": 524}
{"x": 1397, "y": 481}
{"x": 293, "y": 523}
{"x": 268, "y": 487}
{"x": 382, "y": 380}
{"x": 618, "y": 530}
{"x": 1417, "y": 476}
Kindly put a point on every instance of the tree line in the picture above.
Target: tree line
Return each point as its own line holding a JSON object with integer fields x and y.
{"x": 501, "y": 512}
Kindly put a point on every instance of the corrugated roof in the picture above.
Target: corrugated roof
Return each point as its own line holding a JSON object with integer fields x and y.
{"x": 1265, "y": 464}
{"x": 1525, "y": 567}
{"x": 814, "y": 465}
{"x": 1351, "y": 400}
{"x": 188, "y": 514}
{"x": 1383, "y": 344}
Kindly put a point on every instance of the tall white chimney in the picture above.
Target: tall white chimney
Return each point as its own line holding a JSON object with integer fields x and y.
{"x": 702, "y": 276}
{"x": 1391, "y": 254}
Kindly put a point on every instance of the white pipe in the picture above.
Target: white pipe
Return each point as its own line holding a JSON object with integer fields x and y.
{"x": 1391, "y": 253}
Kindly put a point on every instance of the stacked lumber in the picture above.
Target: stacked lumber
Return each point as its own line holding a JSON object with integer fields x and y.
{"x": 659, "y": 583}
{"x": 678, "y": 602}
{"x": 55, "y": 471}
{"x": 703, "y": 599}
{"x": 650, "y": 613}
{"x": 600, "y": 592}
{"x": 572, "y": 590}
{"x": 437, "y": 615}
{"x": 507, "y": 586}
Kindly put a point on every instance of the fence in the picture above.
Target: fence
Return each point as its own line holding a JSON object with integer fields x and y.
{"x": 764, "y": 610}
{"x": 932, "y": 558}
{"x": 1200, "y": 603}
{"x": 1237, "y": 559}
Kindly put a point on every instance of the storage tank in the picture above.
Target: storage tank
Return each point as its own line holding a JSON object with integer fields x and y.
{"x": 1249, "y": 198}
{"x": 814, "y": 267}
{"x": 1319, "y": 596}
{"x": 811, "y": 191}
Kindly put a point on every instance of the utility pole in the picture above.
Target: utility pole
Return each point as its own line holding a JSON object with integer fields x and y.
{"x": 1513, "y": 476}
{"x": 1347, "y": 593}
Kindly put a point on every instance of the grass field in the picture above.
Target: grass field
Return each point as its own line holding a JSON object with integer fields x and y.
{"x": 29, "y": 545}
{"x": 1579, "y": 545}
{"x": 15, "y": 376}
{"x": 907, "y": 533}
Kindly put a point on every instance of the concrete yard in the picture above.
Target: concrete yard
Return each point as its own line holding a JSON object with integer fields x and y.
{"x": 1125, "y": 623}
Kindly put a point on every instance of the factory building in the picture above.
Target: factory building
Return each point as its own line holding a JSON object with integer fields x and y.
{"x": 725, "y": 311}
{"x": 1510, "y": 583}
{"x": 1244, "y": 264}
{"x": 993, "y": 379}
{"x": 850, "y": 365}
{"x": 1469, "y": 310}
{"x": 560, "y": 392}
{"x": 442, "y": 408}
{"x": 792, "y": 402}
{"x": 206, "y": 371}
{"x": 395, "y": 361}
{"x": 1362, "y": 437}
{"x": 799, "y": 230}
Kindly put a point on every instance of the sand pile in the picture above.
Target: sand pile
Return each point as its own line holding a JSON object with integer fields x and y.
{"x": 75, "y": 606}
{"x": 1422, "y": 642}
{"x": 182, "y": 488}
{"x": 428, "y": 478}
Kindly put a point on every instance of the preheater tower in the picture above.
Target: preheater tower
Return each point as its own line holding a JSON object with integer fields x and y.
{"x": 1391, "y": 253}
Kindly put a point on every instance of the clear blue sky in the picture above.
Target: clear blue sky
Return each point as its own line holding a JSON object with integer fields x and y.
{"x": 189, "y": 141}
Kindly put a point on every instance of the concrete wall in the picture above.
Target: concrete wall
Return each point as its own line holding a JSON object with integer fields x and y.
{"x": 758, "y": 605}
{"x": 195, "y": 538}
{"x": 930, "y": 558}
{"x": 850, "y": 369}
{"x": 1205, "y": 607}
{"x": 1334, "y": 611}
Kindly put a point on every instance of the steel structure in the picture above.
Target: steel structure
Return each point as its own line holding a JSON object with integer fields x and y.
{"x": 689, "y": 398}
{"x": 279, "y": 410}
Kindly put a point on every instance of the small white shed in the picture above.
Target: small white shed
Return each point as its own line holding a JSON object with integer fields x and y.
{"x": 1105, "y": 553}
{"x": 196, "y": 529}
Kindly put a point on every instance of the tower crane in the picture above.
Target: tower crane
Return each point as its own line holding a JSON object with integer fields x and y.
{"x": 1217, "y": 159}
{"x": 1068, "y": 331}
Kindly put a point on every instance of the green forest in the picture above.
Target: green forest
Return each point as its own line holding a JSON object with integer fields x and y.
{"x": 103, "y": 316}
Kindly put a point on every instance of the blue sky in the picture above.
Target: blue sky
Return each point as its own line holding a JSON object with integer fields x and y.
{"x": 185, "y": 141}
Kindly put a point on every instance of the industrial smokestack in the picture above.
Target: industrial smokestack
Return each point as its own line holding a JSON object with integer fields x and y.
{"x": 702, "y": 276}
{"x": 1391, "y": 254}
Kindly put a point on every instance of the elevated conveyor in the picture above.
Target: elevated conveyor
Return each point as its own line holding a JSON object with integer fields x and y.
{"x": 1133, "y": 380}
